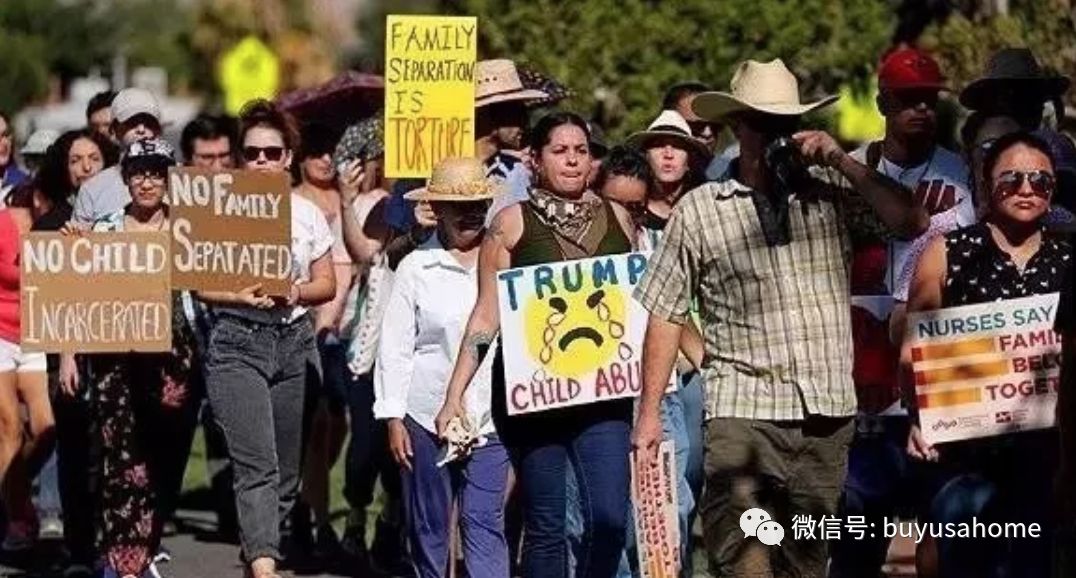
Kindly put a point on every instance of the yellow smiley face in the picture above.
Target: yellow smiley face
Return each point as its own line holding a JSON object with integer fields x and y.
{"x": 572, "y": 333}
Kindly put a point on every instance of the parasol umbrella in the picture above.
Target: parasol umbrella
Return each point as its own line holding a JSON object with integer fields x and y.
{"x": 339, "y": 103}
{"x": 532, "y": 79}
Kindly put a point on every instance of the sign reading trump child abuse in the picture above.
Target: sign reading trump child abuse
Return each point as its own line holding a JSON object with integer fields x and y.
{"x": 571, "y": 332}
{"x": 96, "y": 293}
{"x": 429, "y": 92}
{"x": 985, "y": 370}
{"x": 230, "y": 230}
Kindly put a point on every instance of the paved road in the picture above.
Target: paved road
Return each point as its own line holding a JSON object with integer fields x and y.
{"x": 197, "y": 554}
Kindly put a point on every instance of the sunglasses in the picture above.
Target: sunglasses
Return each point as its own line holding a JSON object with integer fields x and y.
{"x": 913, "y": 98}
{"x": 1009, "y": 183}
{"x": 272, "y": 154}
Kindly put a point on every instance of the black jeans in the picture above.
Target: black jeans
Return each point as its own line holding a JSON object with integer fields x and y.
{"x": 256, "y": 379}
{"x": 367, "y": 452}
{"x": 76, "y": 454}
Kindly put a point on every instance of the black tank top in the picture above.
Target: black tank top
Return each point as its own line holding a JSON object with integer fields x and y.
{"x": 978, "y": 271}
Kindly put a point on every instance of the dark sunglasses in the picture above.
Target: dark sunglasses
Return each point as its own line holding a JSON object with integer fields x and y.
{"x": 1009, "y": 183}
{"x": 272, "y": 154}
{"x": 913, "y": 98}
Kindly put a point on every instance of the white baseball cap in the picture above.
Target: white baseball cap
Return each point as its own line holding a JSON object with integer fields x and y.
{"x": 131, "y": 102}
{"x": 39, "y": 142}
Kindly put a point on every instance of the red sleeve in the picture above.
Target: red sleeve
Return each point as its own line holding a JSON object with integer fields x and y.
{"x": 9, "y": 252}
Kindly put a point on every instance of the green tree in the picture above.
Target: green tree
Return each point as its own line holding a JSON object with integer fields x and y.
{"x": 635, "y": 49}
{"x": 963, "y": 45}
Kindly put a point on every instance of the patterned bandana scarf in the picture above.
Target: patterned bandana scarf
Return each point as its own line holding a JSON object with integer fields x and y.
{"x": 569, "y": 218}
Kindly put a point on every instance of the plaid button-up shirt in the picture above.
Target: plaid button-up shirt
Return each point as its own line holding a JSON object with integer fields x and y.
{"x": 775, "y": 320}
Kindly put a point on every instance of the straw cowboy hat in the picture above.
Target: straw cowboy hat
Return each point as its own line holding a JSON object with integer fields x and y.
{"x": 498, "y": 81}
{"x": 767, "y": 87}
{"x": 669, "y": 124}
{"x": 1012, "y": 67}
{"x": 459, "y": 180}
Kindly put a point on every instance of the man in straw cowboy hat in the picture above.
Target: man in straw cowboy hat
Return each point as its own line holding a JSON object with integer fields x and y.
{"x": 765, "y": 256}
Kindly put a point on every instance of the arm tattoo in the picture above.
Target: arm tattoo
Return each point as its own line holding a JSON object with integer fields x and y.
{"x": 477, "y": 345}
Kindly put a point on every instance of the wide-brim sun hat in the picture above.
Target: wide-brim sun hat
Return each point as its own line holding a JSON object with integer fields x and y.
{"x": 498, "y": 81}
{"x": 766, "y": 87}
{"x": 457, "y": 180}
{"x": 669, "y": 125}
{"x": 1009, "y": 67}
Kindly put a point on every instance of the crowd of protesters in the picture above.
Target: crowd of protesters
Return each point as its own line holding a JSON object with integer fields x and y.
{"x": 783, "y": 271}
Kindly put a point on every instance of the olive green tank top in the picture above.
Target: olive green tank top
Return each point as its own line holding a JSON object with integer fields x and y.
{"x": 539, "y": 245}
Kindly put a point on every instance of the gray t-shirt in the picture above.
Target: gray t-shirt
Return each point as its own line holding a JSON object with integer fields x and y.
{"x": 101, "y": 196}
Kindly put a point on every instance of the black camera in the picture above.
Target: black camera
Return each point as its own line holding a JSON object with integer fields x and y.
{"x": 783, "y": 157}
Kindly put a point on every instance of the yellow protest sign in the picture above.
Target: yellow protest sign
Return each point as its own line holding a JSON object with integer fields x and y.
{"x": 429, "y": 92}
{"x": 249, "y": 70}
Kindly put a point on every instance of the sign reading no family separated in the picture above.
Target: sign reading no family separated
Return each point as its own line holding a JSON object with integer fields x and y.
{"x": 429, "y": 92}
{"x": 230, "y": 230}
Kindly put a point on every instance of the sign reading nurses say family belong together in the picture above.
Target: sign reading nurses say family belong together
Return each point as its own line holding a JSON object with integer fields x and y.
{"x": 986, "y": 370}
{"x": 429, "y": 92}
{"x": 571, "y": 332}
{"x": 96, "y": 293}
{"x": 230, "y": 230}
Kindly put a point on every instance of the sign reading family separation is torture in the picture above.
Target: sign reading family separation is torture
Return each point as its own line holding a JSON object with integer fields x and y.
{"x": 230, "y": 230}
{"x": 96, "y": 293}
{"x": 986, "y": 370}
{"x": 571, "y": 332}
{"x": 429, "y": 92}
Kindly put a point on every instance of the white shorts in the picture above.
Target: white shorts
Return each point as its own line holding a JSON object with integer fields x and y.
{"x": 12, "y": 358}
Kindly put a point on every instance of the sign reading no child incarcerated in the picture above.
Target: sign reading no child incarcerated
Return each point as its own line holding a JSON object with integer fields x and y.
{"x": 986, "y": 370}
{"x": 96, "y": 293}
{"x": 571, "y": 332}
{"x": 429, "y": 92}
{"x": 230, "y": 230}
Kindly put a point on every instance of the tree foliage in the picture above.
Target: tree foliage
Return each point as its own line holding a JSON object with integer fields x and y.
{"x": 963, "y": 45}
{"x": 634, "y": 49}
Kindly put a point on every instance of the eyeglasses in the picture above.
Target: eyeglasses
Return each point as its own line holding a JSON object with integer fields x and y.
{"x": 1010, "y": 183}
{"x": 156, "y": 177}
{"x": 272, "y": 154}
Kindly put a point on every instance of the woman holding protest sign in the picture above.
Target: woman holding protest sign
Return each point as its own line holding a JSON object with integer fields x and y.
{"x": 262, "y": 350}
{"x": 144, "y": 404}
{"x": 432, "y": 297}
{"x": 1007, "y": 478}
{"x": 560, "y": 221}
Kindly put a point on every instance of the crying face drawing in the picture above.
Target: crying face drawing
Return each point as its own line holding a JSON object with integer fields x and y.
{"x": 572, "y": 333}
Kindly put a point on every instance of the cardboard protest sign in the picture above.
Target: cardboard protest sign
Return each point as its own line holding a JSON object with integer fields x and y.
{"x": 654, "y": 505}
{"x": 571, "y": 332}
{"x": 230, "y": 230}
{"x": 97, "y": 293}
{"x": 985, "y": 370}
{"x": 429, "y": 92}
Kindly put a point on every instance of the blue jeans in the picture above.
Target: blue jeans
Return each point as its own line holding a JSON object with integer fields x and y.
{"x": 479, "y": 482}
{"x": 598, "y": 455}
{"x": 674, "y": 426}
{"x": 1007, "y": 479}
{"x": 883, "y": 483}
